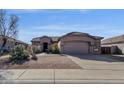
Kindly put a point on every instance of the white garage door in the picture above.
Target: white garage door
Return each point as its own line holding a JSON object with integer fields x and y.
{"x": 76, "y": 48}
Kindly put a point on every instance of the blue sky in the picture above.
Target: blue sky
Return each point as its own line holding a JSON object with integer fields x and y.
{"x": 57, "y": 22}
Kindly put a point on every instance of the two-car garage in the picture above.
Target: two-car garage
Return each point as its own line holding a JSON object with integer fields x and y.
{"x": 75, "y": 47}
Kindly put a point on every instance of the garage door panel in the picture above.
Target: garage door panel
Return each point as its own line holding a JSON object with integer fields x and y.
{"x": 76, "y": 48}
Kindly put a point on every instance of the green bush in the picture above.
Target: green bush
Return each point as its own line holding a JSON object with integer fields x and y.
{"x": 36, "y": 49}
{"x": 55, "y": 49}
{"x": 19, "y": 53}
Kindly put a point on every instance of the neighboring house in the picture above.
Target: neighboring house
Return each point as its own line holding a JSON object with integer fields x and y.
{"x": 114, "y": 45}
{"x": 71, "y": 43}
{"x": 11, "y": 42}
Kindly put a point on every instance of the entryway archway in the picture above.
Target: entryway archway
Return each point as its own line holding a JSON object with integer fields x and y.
{"x": 45, "y": 46}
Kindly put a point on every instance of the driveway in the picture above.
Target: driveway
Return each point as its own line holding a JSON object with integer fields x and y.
{"x": 91, "y": 69}
{"x": 99, "y": 62}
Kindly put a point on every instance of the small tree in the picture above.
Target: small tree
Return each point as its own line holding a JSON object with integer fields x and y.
{"x": 36, "y": 49}
{"x": 8, "y": 29}
{"x": 32, "y": 52}
{"x": 55, "y": 49}
{"x": 19, "y": 53}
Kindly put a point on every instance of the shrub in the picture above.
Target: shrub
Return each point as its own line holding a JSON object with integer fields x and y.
{"x": 19, "y": 53}
{"x": 55, "y": 49}
{"x": 30, "y": 50}
{"x": 36, "y": 49}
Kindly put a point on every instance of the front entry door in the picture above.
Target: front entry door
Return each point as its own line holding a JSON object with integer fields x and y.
{"x": 45, "y": 47}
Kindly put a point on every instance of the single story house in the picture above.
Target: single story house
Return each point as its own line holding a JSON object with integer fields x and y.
{"x": 114, "y": 45}
{"x": 11, "y": 42}
{"x": 71, "y": 43}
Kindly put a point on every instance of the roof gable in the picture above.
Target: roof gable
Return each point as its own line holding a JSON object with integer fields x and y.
{"x": 116, "y": 39}
{"x": 82, "y": 34}
{"x": 53, "y": 39}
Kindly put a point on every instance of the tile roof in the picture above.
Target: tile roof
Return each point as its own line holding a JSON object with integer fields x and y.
{"x": 114, "y": 40}
{"x": 80, "y": 33}
{"x": 18, "y": 41}
{"x": 56, "y": 38}
{"x": 53, "y": 38}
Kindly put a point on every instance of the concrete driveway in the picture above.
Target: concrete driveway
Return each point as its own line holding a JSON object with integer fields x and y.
{"x": 94, "y": 69}
{"x": 99, "y": 62}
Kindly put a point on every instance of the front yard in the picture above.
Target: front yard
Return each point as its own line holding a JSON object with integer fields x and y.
{"x": 44, "y": 62}
{"x": 57, "y": 61}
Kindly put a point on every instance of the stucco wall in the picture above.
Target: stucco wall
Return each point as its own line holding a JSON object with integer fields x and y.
{"x": 121, "y": 47}
{"x": 59, "y": 46}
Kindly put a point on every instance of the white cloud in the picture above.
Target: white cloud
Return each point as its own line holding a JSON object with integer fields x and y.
{"x": 48, "y": 10}
{"x": 26, "y": 10}
{"x": 75, "y": 10}
{"x": 70, "y": 27}
{"x": 84, "y": 10}
{"x": 51, "y": 27}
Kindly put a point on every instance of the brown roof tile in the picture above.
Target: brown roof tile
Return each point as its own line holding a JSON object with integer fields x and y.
{"x": 114, "y": 40}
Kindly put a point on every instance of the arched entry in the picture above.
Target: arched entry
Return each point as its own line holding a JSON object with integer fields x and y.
{"x": 45, "y": 46}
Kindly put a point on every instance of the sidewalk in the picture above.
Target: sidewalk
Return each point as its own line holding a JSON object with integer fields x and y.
{"x": 102, "y": 70}
{"x": 53, "y": 76}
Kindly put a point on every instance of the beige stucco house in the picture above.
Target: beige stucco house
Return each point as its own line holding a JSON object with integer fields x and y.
{"x": 71, "y": 43}
{"x": 113, "y": 45}
{"x": 11, "y": 42}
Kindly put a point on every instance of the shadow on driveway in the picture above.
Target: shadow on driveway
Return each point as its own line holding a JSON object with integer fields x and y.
{"x": 105, "y": 58}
